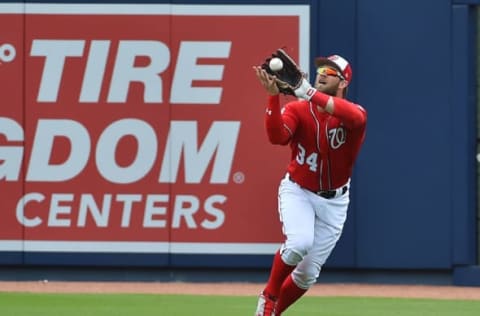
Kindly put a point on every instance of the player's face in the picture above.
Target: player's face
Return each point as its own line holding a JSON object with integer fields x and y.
{"x": 328, "y": 80}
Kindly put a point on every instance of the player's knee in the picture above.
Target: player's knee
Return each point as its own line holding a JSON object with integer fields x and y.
{"x": 290, "y": 256}
{"x": 301, "y": 245}
{"x": 305, "y": 278}
{"x": 293, "y": 250}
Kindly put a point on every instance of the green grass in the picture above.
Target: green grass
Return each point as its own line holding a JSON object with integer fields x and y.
{"x": 27, "y": 304}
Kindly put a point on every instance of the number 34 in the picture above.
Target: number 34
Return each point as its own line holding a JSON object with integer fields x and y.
{"x": 311, "y": 160}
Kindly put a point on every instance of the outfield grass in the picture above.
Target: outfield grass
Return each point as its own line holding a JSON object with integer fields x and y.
{"x": 23, "y": 304}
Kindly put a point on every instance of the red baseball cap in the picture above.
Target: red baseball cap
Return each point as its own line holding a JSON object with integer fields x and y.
{"x": 337, "y": 62}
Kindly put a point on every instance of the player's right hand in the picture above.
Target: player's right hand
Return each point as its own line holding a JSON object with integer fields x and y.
{"x": 268, "y": 81}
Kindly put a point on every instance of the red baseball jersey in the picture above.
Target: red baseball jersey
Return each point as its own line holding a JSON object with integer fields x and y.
{"x": 324, "y": 146}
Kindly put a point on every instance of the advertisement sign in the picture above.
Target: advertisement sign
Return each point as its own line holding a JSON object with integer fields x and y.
{"x": 139, "y": 128}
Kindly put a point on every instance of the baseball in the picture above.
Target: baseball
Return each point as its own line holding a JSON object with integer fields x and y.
{"x": 275, "y": 64}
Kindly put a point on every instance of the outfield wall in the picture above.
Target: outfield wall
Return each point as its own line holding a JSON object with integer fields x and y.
{"x": 133, "y": 135}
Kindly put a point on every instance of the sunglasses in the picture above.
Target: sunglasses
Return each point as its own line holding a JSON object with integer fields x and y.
{"x": 329, "y": 72}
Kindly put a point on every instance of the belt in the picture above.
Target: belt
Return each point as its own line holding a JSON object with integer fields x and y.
{"x": 329, "y": 194}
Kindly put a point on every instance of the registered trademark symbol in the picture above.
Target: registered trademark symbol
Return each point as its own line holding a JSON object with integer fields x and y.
{"x": 7, "y": 53}
{"x": 239, "y": 177}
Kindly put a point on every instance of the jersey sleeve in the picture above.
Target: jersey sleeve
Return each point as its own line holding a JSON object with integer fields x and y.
{"x": 280, "y": 125}
{"x": 351, "y": 114}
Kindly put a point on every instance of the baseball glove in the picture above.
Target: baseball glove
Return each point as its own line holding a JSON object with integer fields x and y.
{"x": 290, "y": 77}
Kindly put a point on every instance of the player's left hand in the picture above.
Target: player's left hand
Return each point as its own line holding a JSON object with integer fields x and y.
{"x": 289, "y": 77}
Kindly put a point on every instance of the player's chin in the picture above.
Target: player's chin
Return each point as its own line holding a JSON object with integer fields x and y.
{"x": 326, "y": 89}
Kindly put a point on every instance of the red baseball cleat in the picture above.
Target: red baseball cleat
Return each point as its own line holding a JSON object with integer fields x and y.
{"x": 266, "y": 305}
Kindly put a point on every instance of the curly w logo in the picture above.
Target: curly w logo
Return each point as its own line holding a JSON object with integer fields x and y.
{"x": 337, "y": 137}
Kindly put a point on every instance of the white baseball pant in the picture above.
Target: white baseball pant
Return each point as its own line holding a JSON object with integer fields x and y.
{"x": 312, "y": 226}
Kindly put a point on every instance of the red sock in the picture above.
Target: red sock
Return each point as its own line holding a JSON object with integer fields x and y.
{"x": 289, "y": 294}
{"x": 278, "y": 274}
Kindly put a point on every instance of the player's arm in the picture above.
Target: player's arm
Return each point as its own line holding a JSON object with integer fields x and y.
{"x": 275, "y": 125}
{"x": 277, "y": 131}
{"x": 350, "y": 113}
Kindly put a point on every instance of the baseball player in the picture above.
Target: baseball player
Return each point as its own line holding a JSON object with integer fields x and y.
{"x": 325, "y": 132}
